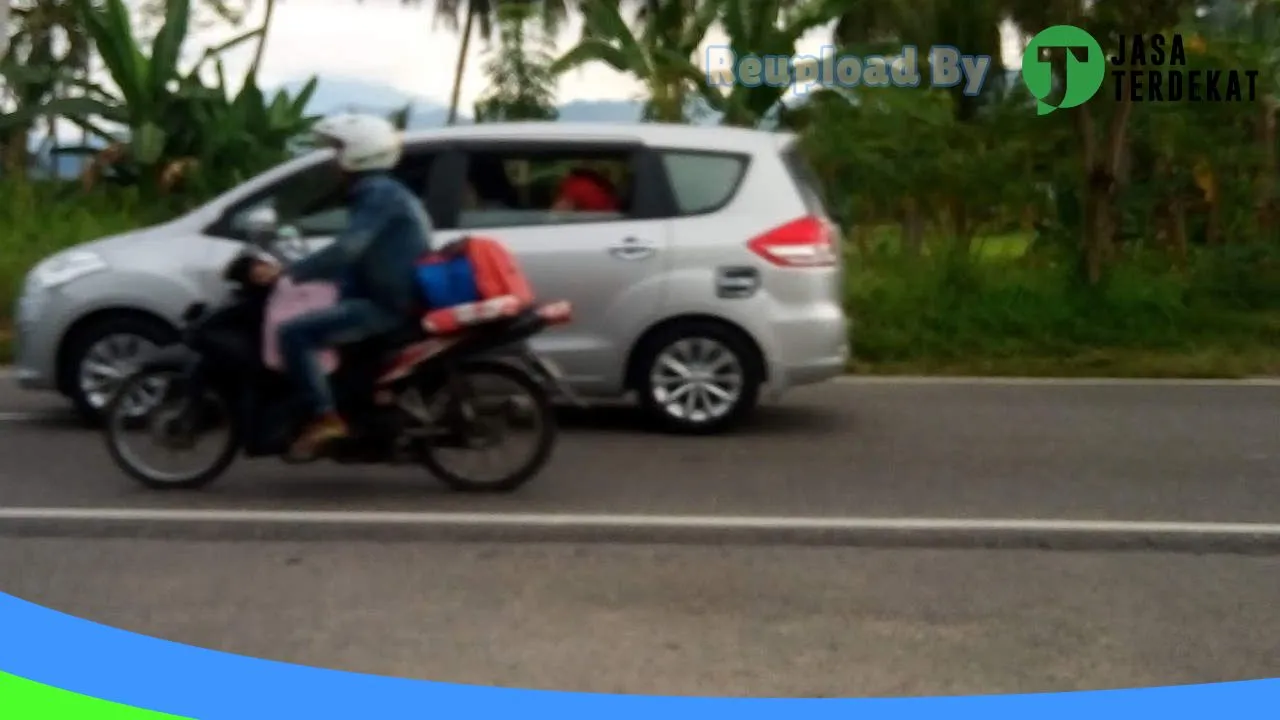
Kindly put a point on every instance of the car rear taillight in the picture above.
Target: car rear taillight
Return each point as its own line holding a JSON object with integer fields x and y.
{"x": 801, "y": 243}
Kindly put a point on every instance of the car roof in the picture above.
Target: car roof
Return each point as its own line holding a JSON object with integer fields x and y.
{"x": 697, "y": 137}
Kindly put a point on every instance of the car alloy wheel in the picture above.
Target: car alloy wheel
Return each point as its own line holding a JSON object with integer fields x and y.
{"x": 106, "y": 364}
{"x": 697, "y": 380}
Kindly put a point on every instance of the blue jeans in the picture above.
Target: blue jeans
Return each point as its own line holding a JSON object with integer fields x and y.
{"x": 302, "y": 339}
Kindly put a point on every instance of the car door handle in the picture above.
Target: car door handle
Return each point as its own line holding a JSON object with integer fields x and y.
{"x": 632, "y": 249}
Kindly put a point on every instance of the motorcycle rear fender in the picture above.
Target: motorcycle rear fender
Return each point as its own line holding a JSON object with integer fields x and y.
{"x": 522, "y": 358}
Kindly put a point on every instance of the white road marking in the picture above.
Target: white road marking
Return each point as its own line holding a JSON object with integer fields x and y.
{"x": 27, "y": 416}
{"x": 1043, "y": 381}
{"x": 639, "y": 521}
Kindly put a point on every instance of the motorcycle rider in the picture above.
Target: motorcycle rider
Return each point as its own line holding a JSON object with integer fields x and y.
{"x": 372, "y": 260}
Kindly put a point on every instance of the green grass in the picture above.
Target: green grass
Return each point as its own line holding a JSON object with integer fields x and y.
{"x": 1008, "y": 313}
{"x": 886, "y": 240}
{"x": 1004, "y": 312}
{"x": 1222, "y": 362}
{"x": 1008, "y": 246}
{"x": 37, "y": 220}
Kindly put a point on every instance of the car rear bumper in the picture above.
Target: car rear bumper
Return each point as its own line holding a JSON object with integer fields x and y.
{"x": 816, "y": 371}
{"x": 809, "y": 349}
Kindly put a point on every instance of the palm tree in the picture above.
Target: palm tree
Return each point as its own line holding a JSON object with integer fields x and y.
{"x": 521, "y": 84}
{"x": 659, "y": 55}
{"x": 4, "y": 28}
{"x": 885, "y": 26}
{"x": 974, "y": 27}
{"x": 1101, "y": 126}
{"x": 46, "y": 44}
{"x": 47, "y": 48}
{"x": 460, "y": 16}
{"x": 482, "y": 11}
{"x": 764, "y": 28}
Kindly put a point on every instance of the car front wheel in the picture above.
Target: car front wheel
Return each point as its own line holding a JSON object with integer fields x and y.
{"x": 100, "y": 357}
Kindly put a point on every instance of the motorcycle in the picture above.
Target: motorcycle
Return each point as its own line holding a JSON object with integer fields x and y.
{"x": 409, "y": 397}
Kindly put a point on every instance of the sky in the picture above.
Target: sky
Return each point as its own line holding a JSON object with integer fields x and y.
{"x": 385, "y": 42}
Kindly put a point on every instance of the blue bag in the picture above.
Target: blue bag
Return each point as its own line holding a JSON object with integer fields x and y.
{"x": 447, "y": 280}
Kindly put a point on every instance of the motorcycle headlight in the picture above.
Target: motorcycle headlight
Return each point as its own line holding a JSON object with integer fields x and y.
{"x": 65, "y": 267}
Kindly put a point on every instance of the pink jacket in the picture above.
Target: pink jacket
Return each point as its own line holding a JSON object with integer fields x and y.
{"x": 288, "y": 301}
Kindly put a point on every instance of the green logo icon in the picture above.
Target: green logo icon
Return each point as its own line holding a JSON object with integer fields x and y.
{"x": 1084, "y": 71}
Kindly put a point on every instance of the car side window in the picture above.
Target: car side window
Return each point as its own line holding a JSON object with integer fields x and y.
{"x": 313, "y": 201}
{"x": 519, "y": 187}
{"x": 702, "y": 182}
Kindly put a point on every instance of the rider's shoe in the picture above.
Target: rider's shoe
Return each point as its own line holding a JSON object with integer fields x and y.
{"x": 322, "y": 430}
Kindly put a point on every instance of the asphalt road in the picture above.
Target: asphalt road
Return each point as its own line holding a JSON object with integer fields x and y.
{"x": 1125, "y": 452}
{"x": 815, "y": 622}
{"x": 723, "y": 619}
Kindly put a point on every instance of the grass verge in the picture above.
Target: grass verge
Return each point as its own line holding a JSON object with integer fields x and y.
{"x": 1218, "y": 315}
{"x": 1206, "y": 363}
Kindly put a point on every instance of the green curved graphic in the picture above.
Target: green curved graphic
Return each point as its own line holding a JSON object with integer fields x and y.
{"x": 22, "y": 699}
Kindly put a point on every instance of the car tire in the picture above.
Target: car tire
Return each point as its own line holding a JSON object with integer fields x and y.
{"x": 125, "y": 331}
{"x": 724, "y": 378}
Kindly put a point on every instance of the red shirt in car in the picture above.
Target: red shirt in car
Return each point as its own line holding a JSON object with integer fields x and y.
{"x": 581, "y": 191}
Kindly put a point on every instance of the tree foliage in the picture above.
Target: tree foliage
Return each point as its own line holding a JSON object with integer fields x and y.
{"x": 521, "y": 84}
{"x": 165, "y": 126}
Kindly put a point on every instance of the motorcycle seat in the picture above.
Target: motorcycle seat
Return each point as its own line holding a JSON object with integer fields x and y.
{"x": 499, "y": 318}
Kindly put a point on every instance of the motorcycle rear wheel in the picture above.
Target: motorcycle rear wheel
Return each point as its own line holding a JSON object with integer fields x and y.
{"x": 116, "y": 422}
{"x": 540, "y": 411}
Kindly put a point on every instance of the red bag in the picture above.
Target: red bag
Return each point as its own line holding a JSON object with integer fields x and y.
{"x": 503, "y": 289}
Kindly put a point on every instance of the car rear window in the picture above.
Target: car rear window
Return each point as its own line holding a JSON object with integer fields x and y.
{"x": 703, "y": 181}
{"x": 806, "y": 180}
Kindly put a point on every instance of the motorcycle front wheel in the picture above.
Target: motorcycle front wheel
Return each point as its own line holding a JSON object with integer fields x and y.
{"x": 479, "y": 407}
{"x": 178, "y": 425}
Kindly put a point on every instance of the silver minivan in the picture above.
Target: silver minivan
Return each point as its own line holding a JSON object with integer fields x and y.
{"x": 717, "y": 282}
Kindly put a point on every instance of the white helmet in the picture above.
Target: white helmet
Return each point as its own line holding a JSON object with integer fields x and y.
{"x": 363, "y": 142}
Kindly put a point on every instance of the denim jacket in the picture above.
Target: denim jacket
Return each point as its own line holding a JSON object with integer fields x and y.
{"x": 375, "y": 257}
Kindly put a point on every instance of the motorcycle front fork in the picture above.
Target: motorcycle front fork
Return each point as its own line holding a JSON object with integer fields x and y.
{"x": 192, "y": 387}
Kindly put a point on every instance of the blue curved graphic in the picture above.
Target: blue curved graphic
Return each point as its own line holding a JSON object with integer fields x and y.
{"x": 56, "y": 649}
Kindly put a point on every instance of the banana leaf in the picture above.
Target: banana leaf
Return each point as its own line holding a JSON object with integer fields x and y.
{"x": 167, "y": 46}
{"x": 71, "y": 106}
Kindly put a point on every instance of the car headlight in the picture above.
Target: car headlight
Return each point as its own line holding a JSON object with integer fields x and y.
{"x": 65, "y": 267}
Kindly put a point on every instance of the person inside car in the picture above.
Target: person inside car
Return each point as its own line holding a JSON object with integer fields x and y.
{"x": 585, "y": 190}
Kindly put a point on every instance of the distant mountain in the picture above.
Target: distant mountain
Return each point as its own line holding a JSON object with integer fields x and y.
{"x": 615, "y": 111}
{"x": 336, "y": 94}
{"x": 339, "y": 94}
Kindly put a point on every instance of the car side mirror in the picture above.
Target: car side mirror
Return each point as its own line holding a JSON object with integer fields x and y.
{"x": 288, "y": 245}
{"x": 261, "y": 224}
